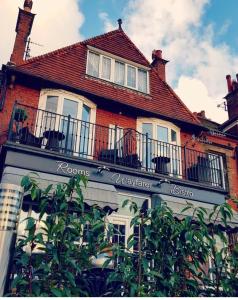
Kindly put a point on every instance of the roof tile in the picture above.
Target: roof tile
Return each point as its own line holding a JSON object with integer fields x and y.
{"x": 68, "y": 66}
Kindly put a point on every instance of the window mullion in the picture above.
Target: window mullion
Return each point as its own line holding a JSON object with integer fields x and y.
{"x": 100, "y": 65}
{"x": 137, "y": 79}
{"x": 112, "y": 70}
{"x": 125, "y": 83}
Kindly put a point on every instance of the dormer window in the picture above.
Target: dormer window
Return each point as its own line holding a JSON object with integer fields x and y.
{"x": 118, "y": 70}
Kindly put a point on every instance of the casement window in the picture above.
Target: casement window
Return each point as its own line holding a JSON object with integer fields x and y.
{"x": 122, "y": 218}
{"x": 71, "y": 115}
{"x": 117, "y": 70}
{"x": 160, "y": 139}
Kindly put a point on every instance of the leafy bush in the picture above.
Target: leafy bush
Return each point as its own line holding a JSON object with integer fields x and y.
{"x": 170, "y": 260}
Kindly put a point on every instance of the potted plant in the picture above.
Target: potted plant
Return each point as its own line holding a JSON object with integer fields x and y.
{"x": 20, "y": 115}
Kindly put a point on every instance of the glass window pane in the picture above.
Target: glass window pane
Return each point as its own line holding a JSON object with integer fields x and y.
{"x": 49, "y": 116}
{"x": 173, "y": 136}
{"x": 86, "y": 113}
{"x": 131, "y": 76}
{"x": 93, "y": 64}
{"x": 147, "y": 128}
{"x": 119, "y": 73}
{"x": 51, "y": 104}
{"x": 142, "y": 81}
{"x": 70, "y": 108}
{"x": 162, "y": 134}
{"x": 106, "y": 68}
{"x": 85, "y": 137}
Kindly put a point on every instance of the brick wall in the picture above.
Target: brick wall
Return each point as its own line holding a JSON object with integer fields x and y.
{"x": 23, "y": 95}
{"x": 105, "y": 118}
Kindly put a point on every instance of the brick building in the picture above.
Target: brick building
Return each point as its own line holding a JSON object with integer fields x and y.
{"x": 101, "y": 109}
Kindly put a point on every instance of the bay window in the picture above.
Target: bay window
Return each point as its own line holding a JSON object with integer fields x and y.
{"x": 160, "y": 146}
{"x": 115, "y": 69}
{"x": 71, "y": 115}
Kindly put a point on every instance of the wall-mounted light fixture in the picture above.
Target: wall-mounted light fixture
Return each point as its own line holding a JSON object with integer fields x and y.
{"x": 11, "y": 196}
{"x": 163, "y": 180}
{"x": 102, "y": 168}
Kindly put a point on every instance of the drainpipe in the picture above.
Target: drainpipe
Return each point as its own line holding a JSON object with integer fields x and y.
{"x": 11, "y": 196}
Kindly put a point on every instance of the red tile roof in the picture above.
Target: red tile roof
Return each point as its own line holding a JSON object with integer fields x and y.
{"x": 68, "y": 66}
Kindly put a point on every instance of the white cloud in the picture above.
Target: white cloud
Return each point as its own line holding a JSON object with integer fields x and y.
{"x": 176, "y": 27}
{"x": 191, "y": 88}
{"x": 107, "y": 24}
{"x": 56, "y": 24}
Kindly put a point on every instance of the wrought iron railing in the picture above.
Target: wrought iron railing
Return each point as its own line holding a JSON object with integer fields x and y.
{"x": 126, "y": 147}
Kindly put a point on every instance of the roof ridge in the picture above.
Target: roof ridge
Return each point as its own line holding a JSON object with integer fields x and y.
{"x": 101, "y": 36}
{"x": 177, "y": 97}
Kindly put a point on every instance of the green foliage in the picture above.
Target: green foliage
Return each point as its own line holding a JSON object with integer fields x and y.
{"x": 50, "y": 261}
{"x": 173, "y": 253}
{"x": 20, "y": 115}
{"x": 170, "y": 260}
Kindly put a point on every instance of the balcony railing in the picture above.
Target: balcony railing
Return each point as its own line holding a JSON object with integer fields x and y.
{"x": 125, "y": 147}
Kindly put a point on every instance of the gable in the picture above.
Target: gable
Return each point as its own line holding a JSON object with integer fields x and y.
{"x": 118, "y": 43}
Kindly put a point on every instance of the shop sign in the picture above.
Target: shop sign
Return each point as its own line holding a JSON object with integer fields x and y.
{"x": 64, "y": 167}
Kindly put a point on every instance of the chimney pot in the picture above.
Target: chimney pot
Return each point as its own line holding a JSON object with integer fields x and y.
{"x": 156, "y": 54}
{"x": 28, "y": 5}
{"x": 229, "y": 83}
{"x": 119, "y": 21}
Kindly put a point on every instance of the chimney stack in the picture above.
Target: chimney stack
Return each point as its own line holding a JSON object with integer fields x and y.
{"x": 232, "y": 103}
{"x": 159, "y": 63}
{"x": 23, "y": 30}
{"x": 229, "y": 83}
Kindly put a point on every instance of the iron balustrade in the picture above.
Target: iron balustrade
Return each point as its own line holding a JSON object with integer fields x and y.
{"x": 126, "y": 147}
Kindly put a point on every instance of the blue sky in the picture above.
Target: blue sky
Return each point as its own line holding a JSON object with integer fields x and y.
{"x": 220, "y": 13}
{"x": 198, "y": 37}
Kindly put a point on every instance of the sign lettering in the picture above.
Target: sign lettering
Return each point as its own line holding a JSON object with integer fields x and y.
{"x": 65, "y": 168}
{"x": 124, "y": 180}
{"x": 179, "y": 191}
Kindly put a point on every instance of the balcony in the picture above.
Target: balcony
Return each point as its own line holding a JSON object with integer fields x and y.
{"x": 123, "y": 147}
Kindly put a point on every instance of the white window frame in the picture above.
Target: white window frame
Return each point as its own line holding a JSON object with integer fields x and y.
{"x": 158, "y": 122}
{"x": 81, "y": 100}
{"x": 115, "y": 58}
{"x": 121, "y": 219}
